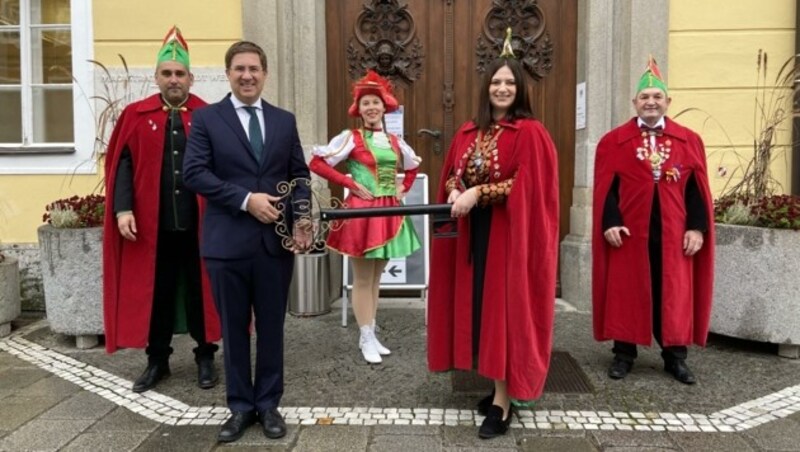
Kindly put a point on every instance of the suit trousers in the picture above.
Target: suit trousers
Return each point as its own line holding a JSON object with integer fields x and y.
{"x": 252, "y": 292}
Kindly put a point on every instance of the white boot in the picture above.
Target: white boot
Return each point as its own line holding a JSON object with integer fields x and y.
{"x": 381, "y": 349}
{"x": 367, "y": 344}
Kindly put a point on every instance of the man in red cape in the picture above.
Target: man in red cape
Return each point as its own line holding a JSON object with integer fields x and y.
{"x": 153, "y": 280}
{"x": 653, "y": 235}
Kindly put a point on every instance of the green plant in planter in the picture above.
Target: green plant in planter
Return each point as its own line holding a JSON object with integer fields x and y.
{"x": 753, "y": 200}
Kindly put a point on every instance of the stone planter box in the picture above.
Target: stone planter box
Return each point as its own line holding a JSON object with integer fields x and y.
{"x": 71, "y": 261}
{"x": 10, "y": 305}
{"x": 756, "y": 286}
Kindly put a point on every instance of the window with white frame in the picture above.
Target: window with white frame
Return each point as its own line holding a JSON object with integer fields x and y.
{"x": 45, "y": 86}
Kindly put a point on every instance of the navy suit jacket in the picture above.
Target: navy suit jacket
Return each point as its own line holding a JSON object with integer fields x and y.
{"x": 220, "y": 165}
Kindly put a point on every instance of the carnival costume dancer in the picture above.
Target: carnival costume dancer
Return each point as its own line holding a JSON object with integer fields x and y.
{"x": 153, "y": 280}
{"x": 653, "y": 238}
{"x": 492, "y": 293}
{"x": 374, "y": 158}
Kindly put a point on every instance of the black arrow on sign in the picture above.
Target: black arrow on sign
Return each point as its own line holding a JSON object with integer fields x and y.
{"x": 394, "y": 271}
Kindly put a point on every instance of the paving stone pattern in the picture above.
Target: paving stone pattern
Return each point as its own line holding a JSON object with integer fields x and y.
{"x": 330, "y": 390}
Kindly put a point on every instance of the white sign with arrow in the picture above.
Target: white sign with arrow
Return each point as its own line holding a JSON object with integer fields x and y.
{"x": 395, "y": 272}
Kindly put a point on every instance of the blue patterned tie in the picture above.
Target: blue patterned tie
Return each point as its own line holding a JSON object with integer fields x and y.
{"x": 256, "y": 140}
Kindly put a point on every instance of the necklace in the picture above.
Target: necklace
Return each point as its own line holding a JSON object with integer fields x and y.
{"x": 482, "y": 156}
{"x": 655, "y": 153}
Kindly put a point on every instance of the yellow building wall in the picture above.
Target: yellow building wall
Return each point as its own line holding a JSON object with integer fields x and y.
{"x": 134, "y": 29}
{"x": 713, "y": 53}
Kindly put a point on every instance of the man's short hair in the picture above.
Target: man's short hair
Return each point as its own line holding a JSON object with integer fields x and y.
{"x": 245, "y": 47}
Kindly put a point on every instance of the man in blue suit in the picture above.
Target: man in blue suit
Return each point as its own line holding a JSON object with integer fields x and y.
{"x": 239, "y": 149}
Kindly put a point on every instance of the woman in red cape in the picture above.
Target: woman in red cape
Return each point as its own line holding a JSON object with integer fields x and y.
{"x": 492, "y": 290}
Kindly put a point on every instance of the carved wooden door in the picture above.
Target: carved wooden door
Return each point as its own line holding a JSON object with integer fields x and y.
{"x": 434, "y": 50}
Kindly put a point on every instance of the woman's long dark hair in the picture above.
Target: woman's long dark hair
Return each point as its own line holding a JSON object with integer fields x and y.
{"x": 520, "y": 108}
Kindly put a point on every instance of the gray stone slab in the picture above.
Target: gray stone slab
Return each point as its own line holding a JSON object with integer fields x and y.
{"x": 9, "y": 360}
{"x": 183, "y": 438}
{"x": 21, "y": 377}
{"x": 18, "y": 410}
{"x": 83, "y": 405}
{"x": 711, "y": 442}
{"x": 106, "y": 441}
{"x": 331, "y": 438}
{"x": 405, "y": 443}
{"x": 52, "y": 386}
{"x": 554, "y": 444}
{"x": 637, "y": 449}
{"x": 783, "y": 434}
{"x": 479, "y": 449}
{"x": 123, "y": 420}
{"x": 632, "y": 439}
{"x": 468, "y": 437}
{"x": 44, "y": 434}
{"x": 236, "y": 447}
{"x": 405, "y": 430}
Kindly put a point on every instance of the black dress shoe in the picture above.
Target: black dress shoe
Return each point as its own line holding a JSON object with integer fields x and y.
{"x": 274, "y": 426}
{"x": 494, "y": 424}
{"x": 619, "y": 368}
{"x": 206, "y": 374}
{"x": 235, "y": 426}
{"x": 680, "y": 371}
{"x": 485, "y": 403}
{"x": 154, "y": 373}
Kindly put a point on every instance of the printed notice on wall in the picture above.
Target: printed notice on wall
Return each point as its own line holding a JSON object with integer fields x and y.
{"x": 394, "y": 122}
{"x": 580, "y": 106}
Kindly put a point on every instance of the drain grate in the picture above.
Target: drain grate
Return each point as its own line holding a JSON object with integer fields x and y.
{"x": 566, "y": 376}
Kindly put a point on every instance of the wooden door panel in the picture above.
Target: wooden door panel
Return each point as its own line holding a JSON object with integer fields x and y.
{"x": 445, "y": 93}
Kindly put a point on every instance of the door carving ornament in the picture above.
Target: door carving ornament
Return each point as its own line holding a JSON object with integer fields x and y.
{"x": 385, "y": 41}
{"x": 530, "y": 38}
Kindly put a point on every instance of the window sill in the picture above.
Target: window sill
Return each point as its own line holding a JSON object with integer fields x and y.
{"x": 37, "y": 150}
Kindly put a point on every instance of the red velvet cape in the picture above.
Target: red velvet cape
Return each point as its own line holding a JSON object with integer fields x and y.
{"x": 519, "y": 290}
{"x": 621, "y": 289}
{"x": 129, "y": 267}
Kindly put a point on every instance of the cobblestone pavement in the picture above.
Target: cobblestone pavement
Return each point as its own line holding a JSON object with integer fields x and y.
{"x": 56, "y": 397}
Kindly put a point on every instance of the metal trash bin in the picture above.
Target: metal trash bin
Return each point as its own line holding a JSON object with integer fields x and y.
{"x": 309, "y": 292}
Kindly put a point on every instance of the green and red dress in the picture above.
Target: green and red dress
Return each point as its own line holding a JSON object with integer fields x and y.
{"x": 373, "y": 159}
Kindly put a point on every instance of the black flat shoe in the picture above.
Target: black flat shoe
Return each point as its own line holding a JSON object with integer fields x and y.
{"x": 485, "y": 403}
{"x": 680, "y": 371}
{"x": 154, "y": 373}
{"x": 235, "y": 426}
{"x": 494, "y": 424}
{"x": 619, "y": 369}
{"x": 206, "y": 374}
{"x": 273, "y": 424}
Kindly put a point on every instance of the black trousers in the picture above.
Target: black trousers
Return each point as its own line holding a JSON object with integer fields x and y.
{"x": 177, "y": 259}
{"x": 480, "y": 221}
{"x": 626, "y": 350}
